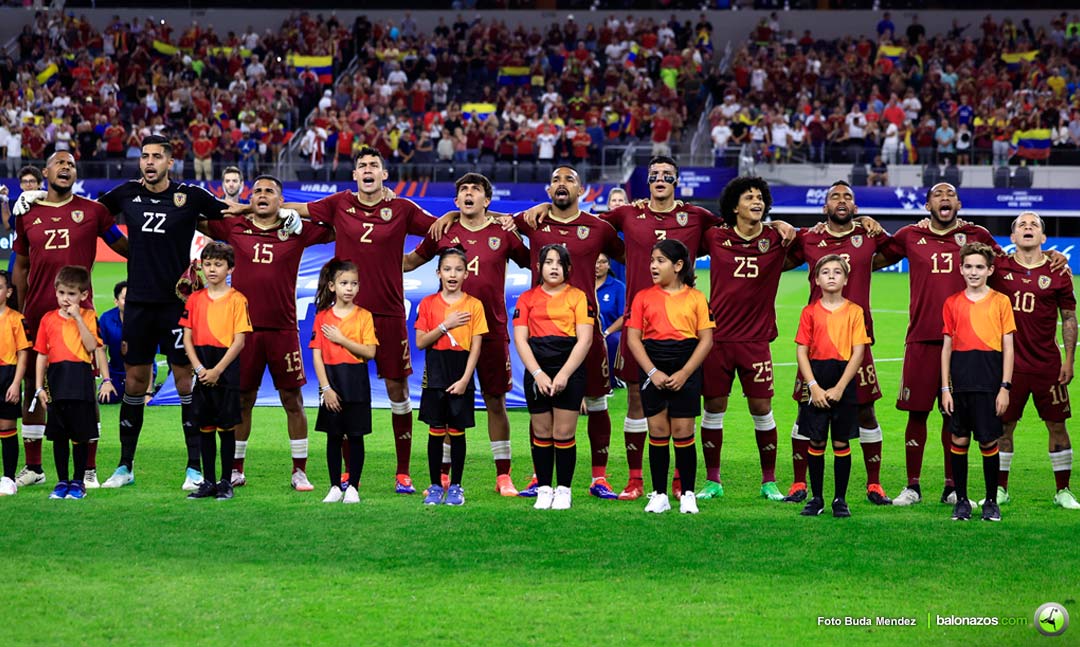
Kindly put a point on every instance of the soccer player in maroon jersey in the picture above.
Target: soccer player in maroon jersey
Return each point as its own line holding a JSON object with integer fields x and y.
{"x": 489, "y": 248}
{"x": 368, "y": 228}
{"x": 58, "y": 231}
{"x": 1038, "y": 294}
{"x": 844, "y": 236}
{"x": 267, "y": 262}
{"x": 934, "y": 269}
{"x": 746, "y": 260}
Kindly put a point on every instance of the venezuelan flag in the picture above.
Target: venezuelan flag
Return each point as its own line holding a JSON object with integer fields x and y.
{"x": 514, "y": 75}
{"x": 1032, "y": 144}
{"x": 478, "y": 110}
{"x": 48, "y": 73}
{"x": 323, "y": 66}
{"x": 891, "y": 52}
{"x": 165, "y": 49}
{"x": 1013, "y": 60}
{"x": 909, "y": 149}
{"x": 631, "y": 58}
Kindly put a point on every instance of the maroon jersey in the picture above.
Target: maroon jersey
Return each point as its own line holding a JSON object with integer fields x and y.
{"x": 52, "y": 236}
{"x": 373, "y": 237}
{"x": 857, "y": 248}
{"x": 1036, "y": 294}
{"x": 267, "y": 264}
{"x": 744, "y": 275}
{"x": 934, "y": 269}
{"x": 585, "y": 236}
{"x": 488, "y": 249}
{"x": 642, "y": 227}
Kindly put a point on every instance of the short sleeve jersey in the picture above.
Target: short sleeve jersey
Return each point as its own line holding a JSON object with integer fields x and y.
{"x": 267, "y": 264}
{"x": 13, "y": 336}
{"x": 433, "y": 310}
{"x": 856, "y": 247}
{"x": 373, "y": 237}
{"x": 670, "y": 316}
{"x": 56, "y": 235}
{"x": 1037, "y": 295}
{"x": 214, "y": 322}
{"x": 642, "y": 227}
{"x": 934, "y": 271}
{"x": 585, "y": 237}
{"x": 976, "y": 329}
{"x": 69, "y": 375}
{"x": 744, "y": 276}
{"x": 488, "y": 250}
{"x": 347, "y": 373}
{"x": 160, "y": 228}
{"x": 831, "y": 334}
{"x": 553, "y": 315}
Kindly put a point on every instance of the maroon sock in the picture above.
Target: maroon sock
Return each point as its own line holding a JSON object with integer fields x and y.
{"x": 402, "y": 424}
{"x": 1003, "y": 479}
{"x": 635, "y": 446}
{"x": 800, "y": 449}
{"x": 599, "y": 440}
{"x": 766, "y": 442}
{"x": 946, "y": 447}
{"x": 1061, "y": 477}
{"x": 871, "y": 455}
{"x": 238, "y": 464}
{"x": 712, "y": 441}
{"x": 32, "y": 449}
{"x": 914, "y": 445}
{"x": 299, "y": 464}
{"x": 502, "y": 466}
{"x": 91, "y": 455}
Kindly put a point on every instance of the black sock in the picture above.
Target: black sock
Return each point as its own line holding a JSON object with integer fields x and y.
{"x": 457, "y": 458}
{"x": 356, "y": 460}
{"x": 333, "y": 458}
{"x": 9, "y": 447}
{"x": 192, "y": 435}
{"x": 565, "y": 461}
{"x": 815, "y": 466}
{"x": 959, "y": 459}
{"x": 79, "y": 455}
{"x": 842, "y": 469}
{"x": 543, "y": 454}
{"x": 228, "y": 449}
{"x": 208, "y": 446}
{"x": 132, "y": 409}
{"x": 659, "y": 463}
{"x": 434, "y": 456}
{"x": 686, "y": 463}
{"x": 991, "y": 467}
{"x": 61, "y": 452}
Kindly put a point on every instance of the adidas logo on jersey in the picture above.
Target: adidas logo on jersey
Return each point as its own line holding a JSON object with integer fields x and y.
{"x": 727, "y": 243}
{"x": 823, "y": 244}
{"x": 351, "y": 210}
{"x": 1008, "y": 277}
{"x": 455, "y": 241}
{"x": 922, "y": 241}
{"x": 37, "y": 221}
{"x": 137, "y": 198}
{"x": 641, "y": 216}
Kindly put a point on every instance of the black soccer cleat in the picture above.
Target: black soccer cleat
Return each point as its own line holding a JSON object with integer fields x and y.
{"x": 991, "y": 511}
{"x": 207, "y": 490}
{"x": 962, "y": 510}
{"x": 813, "y": 507}
{"x": 224, "y": 489}
{"x": 840, "y": 508}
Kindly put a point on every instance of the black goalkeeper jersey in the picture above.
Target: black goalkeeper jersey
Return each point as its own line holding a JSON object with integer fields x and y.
{"x": 160, "y": 227}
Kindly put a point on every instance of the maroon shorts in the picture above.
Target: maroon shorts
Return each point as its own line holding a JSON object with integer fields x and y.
{"x": 751, "y": 360}
{"x": 493, "y": 367}
{"x": 392, "y": 357}
{"x": 867, "y": 389}
{"x": 1051, "y": 399}
{"x": 278, "y": 349}
{"x": 597, "y": 372}
{"x": 626, "y": 368}
{"x": 920, "y": 384}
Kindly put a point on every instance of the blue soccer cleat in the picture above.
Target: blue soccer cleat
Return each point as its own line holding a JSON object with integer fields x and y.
{"x": 60, "y": 491}
{"x": 76, "y": 490}
{"x": 602, "y": 490}
{"x": 434, "y": 495}
{"x": 530, "y": 490}
{"x": 455, "y": 495}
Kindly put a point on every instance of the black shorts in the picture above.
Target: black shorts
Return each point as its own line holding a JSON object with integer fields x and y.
{"x": 8, "y": 410}
{"x": 670, "y": 356}
{"x": 842, "y": 417}
{"x": 74, "y": 420}
{"x": 569, "y": 399}
{"x": 974, "y": 414}
{"x": 353, "y": 421}
{"x": 150, "y": 326}
{"x": 215, "y": 406}
{"x": 440, "y": 409}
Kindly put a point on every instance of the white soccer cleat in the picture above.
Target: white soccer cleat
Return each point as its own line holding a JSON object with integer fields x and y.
{"x": 193, "y": 478}
{"x": 688, "y": 503}
{"x": 90, "y": 481}
{"x": 27, "y": 477}
{"x": 335, "y": 495}
{"x": 1065, "y": 499}
{"x": 658, "y": 503}
{"x": 545, "y": 497}
{"x": 300, "y": 482}
{"x": 237, "y": 479}
{"x": 907, "y": 497}
{"x": 350, "y": 496}
{"x": 8, "y": 487}
{"x": 121, "y": 477}
{"x": 562, "y": 498}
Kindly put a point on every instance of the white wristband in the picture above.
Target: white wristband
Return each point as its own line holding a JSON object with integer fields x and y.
{"x": 535, "y": 373}
{"x": 443, "y": 329}
{"x": 650, "y": 373}
{"x": 811, "y": 383}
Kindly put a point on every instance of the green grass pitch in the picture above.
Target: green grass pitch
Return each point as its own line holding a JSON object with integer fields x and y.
{"x": 145, "y": 566}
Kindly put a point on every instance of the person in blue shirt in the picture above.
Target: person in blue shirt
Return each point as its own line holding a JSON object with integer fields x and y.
{"x": 248, "y": 149}
{"x": 611, "y": 295}
{"x": 110, "y": 327}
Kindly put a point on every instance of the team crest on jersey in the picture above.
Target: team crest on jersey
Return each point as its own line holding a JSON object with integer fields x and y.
{"x": 282, "y": 235}
{"x": 763, "y": 245}
{"x": 961, "y": 239}
{"x": 494, "y": 242}
{"x": 856, "y": 241}
{"x": 77, "y": 216}
{"x": 582, "y": 232}
{"x": 179, "y": 199}
{"x": 386, "y": 213}
{"x": 682, "y": 218}
{"x": 1044, "y": 282}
